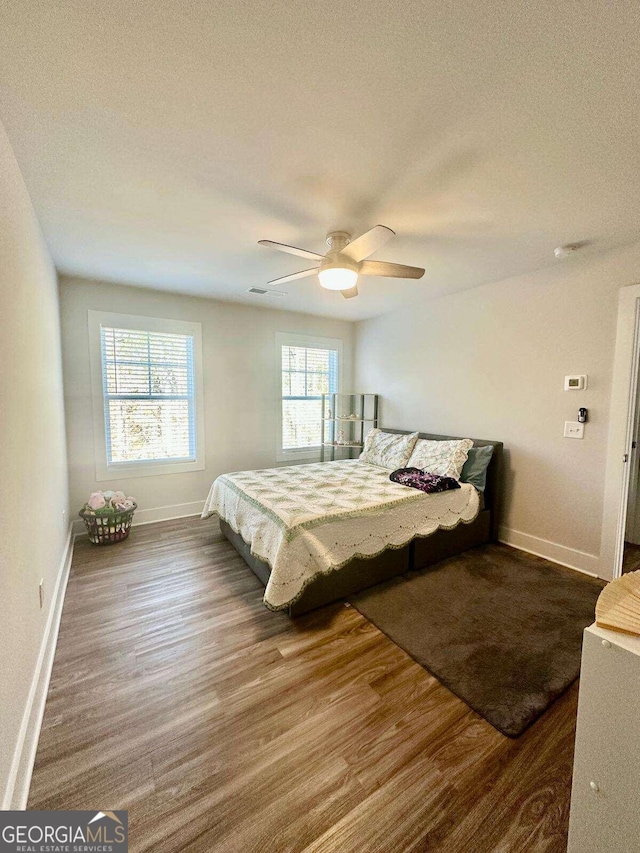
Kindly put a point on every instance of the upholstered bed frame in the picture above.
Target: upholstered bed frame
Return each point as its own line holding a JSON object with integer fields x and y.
{"x": 422, "y": 551}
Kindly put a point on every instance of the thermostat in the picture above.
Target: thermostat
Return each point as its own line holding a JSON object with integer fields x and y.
{"x": 575, "y": 383}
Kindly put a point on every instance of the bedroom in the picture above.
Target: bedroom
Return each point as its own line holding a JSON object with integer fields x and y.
{"x": 145, "y": 152}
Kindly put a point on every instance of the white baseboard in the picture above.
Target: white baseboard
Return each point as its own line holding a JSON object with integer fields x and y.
{"x": 589, "y": 564}
{"x": 167, "y": 513}
{"x": 149, "y": 516}
{"x": 17, "y": 789}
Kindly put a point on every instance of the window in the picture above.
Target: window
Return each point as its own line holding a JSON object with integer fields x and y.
{"x": 309, "y": 368}
{"x": 147, "y": 409}
{"x": 149, "y": 400}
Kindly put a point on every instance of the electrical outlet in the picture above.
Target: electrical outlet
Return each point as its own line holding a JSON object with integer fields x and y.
{"x": 573, "y": 429}
{"x": 41, "y": 592}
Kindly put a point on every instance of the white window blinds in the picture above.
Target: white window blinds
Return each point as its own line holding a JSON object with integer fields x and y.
{"x": 149, "y": 397}
{"x": 307, "y": 373}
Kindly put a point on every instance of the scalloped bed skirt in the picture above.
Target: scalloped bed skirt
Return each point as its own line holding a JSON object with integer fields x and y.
{"x": 359, "y": 574}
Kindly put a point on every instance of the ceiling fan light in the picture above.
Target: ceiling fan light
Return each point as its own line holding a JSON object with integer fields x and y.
{"x": 338, "y": 278}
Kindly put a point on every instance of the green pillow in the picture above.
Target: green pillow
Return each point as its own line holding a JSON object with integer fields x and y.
{"x": 475, "y": 468}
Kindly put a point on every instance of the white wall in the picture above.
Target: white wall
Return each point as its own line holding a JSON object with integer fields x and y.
{"x": 241, "y": 386}
{"x": 33, "y": 485}
{"x": 490, "y": 363}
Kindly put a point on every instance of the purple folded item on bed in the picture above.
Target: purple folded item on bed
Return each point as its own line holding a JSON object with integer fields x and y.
{"x": 418, "y": 479}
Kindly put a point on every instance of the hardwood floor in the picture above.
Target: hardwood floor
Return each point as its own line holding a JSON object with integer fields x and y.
{"x": 631, "y": 557}
{"x": 224, "y": 727}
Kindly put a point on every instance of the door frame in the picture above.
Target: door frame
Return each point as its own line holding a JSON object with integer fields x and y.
{"x": 624, "y": 399}
{"x": 631, "y": 524}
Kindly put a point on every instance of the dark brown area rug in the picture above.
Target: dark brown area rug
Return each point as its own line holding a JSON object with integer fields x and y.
{"x": 500, "y": 628}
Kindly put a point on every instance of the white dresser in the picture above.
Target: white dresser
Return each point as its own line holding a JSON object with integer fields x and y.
{"x": 605, "y": 798}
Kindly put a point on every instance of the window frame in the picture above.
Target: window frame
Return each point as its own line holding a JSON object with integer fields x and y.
{"x": 106, "y": 470}
{"x": 303, "y": 454}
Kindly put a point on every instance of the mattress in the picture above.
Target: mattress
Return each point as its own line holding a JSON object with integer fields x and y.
{"x": 307, "y": 520}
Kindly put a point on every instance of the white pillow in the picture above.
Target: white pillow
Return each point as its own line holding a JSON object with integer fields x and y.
{"x": 388, "y": 450}
{"x": 445, "y": 458}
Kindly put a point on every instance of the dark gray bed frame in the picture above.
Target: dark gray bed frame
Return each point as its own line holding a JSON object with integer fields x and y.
{"x": 422, "y": 551}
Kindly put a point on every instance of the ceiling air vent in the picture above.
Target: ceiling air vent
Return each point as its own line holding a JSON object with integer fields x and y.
{"x": 262, "y": 291}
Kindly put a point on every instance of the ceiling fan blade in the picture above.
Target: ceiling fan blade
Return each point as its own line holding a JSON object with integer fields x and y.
{"x": 292, "y": 250}
{"x": 368, "y": 243}
{"x": 389, "y": 270}
{"x": 294, "y": 276}
{"x": 349, "y": 294}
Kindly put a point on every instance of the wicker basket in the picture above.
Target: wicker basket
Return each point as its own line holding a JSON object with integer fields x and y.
{"x": 106, "y": 528}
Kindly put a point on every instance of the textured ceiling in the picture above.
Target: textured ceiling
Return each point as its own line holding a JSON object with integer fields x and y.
{"x": 161, "y": 140}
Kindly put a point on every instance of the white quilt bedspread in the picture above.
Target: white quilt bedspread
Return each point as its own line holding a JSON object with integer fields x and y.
{"x": 305, "y": 520}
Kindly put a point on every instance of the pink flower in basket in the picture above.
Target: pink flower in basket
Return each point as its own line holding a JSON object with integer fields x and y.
{"x": 118, "y": 498}
{"x": 96, "y": 501}
{"x": 125, "y": 504}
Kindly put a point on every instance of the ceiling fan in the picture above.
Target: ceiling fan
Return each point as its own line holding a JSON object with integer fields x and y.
{"x": 345, "y": 261}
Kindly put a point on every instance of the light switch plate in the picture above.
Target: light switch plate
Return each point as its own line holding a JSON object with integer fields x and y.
{"x": 573, "y": 429}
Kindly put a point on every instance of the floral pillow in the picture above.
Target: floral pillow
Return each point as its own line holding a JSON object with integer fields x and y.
{"x": 445, "y": 458}
{"x": 388, "y": 450}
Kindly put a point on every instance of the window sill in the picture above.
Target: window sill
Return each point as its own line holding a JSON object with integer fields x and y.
{"x": 309, "y": 454}
{"x": 128, "y": 470}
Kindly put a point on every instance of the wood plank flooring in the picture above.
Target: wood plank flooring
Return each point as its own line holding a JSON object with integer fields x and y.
{"x": 224, "y": 727}
{"x": 631, "y": 558}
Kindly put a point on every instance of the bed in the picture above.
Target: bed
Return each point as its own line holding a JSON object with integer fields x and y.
{"x": 318, "y": 533}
